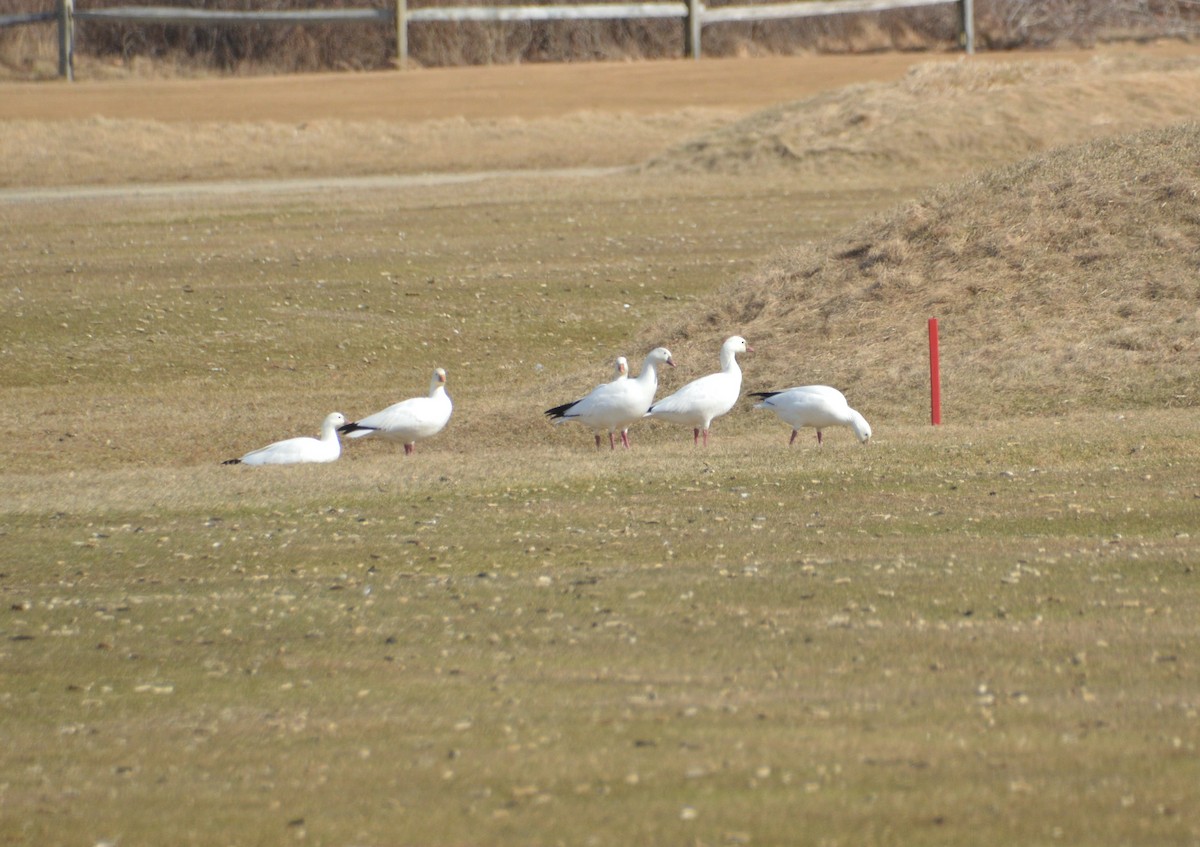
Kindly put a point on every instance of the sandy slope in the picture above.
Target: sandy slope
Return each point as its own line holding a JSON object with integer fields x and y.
{"x": 517, "y": 91}
{"x": 472, "y": 93}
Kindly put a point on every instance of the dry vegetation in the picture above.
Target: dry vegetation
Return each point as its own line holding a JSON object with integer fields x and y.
{"x": 1061, "y": 282}
{"x": 948, "y": 118}
{"x": 975, "y": 633}
{"x": 1109, "y": 228}
{"x": 118, "y": 151}
{"x": 122, "y": 49}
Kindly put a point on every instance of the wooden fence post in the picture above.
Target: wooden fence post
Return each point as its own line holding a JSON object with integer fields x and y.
{"x": 967, "y": 33}
{"x": 402, "y": 34}
{"x": 66, "y": 39}
{"x": 691, "y": 28}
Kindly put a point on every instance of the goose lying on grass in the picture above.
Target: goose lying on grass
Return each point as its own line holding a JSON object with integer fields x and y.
{"x": 292, "y": 451}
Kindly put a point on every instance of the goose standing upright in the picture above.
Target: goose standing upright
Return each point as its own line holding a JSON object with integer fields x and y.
{"x": 408, "y": 421}
{"x": 644, "y": 387}
{"x": 292, "y": 451}
{"x": 698, "y": 402}
{"x": 613, "y": 406}
{"x": 818, "y": 406}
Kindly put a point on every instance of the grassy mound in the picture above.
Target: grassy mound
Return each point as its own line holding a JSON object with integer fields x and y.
{"x": 948, "y": 118}
{"x": 1068, "y": 280}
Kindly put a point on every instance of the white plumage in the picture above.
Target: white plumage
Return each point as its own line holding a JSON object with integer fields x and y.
{"x": 292, "y": 451}
{"x": 818, "y": 406}
{"x": 698, "y": 402}
{"x": 613, "y": 406}
{"x": 408, "y": 421}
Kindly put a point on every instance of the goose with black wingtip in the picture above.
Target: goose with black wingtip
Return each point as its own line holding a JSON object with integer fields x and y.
{"x": 408, "y": 421}
{"x": 613, "y": 406}
{"x": 818, "y": 406}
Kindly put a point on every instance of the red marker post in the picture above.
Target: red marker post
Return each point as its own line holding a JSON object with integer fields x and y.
{"x": 935, "y": 375}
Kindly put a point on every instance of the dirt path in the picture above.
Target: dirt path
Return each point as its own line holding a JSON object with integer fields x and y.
{"x": 225, "y": 188}
{"x": 515, "y": 91}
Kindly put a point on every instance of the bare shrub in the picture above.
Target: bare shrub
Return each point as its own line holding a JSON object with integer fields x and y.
{"x": 1011, "y": 24}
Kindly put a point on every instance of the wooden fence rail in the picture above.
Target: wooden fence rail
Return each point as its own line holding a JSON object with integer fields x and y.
{"x": 31, "y": 18}
{"x": 693, "y": 13}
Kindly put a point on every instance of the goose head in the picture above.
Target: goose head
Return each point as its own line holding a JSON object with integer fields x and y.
{"x": 660, "y": 356}
{"x": 733, "y": 345}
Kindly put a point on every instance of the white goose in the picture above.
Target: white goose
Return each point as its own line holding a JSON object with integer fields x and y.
{"x": 818, "y": 406}
{"x": 698, "y": 402}
{"x": 613, "y": 406}
{"x": 292, "y": 451}
{"x": 408, "y": 421}
{"x": 644, "y": 387}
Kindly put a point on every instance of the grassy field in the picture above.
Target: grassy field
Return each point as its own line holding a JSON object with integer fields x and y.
{"x": 952, "y": 632}
{"x": 980, "y": 632}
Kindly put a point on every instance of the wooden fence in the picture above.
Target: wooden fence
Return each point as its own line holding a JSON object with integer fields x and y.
{"x": 693, "y": 13}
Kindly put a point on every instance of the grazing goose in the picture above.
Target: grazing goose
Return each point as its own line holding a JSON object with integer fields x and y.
{"x": 613, "y": 406}
{"x": 295, "y": 450}
{"x": 818, "y": 406}
{"x": 698, "y": 402}
{"x": 408, "y": 421}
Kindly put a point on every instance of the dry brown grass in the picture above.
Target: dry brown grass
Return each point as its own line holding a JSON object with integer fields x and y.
{"x": 105, "y": 50}
{"x": 108, "y": 151}
{"x": 1062, "y": 282}
{"x": 942, "y": 118}
{"x": 946, "y": 118}
{"x": 973, "y": 633}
